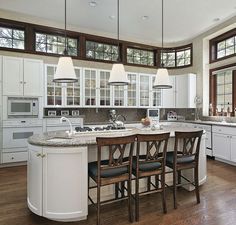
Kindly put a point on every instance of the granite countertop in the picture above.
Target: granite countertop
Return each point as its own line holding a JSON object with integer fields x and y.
{"x": 61, "y": 139}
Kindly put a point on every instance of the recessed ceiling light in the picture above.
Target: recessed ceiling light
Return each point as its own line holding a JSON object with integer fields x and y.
{"x": 112, "y": 17}
{"x": 93, "y": 3}
{"x": 216, "y": 19}
{"x": 145, "y": 17}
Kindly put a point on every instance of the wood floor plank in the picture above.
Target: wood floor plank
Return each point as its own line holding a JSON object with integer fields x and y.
{"x": 217, "y": 207}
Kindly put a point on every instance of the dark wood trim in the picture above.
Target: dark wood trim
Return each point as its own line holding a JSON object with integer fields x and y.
{"x": 213, "y": 45}
{"x": 30, "y": 30}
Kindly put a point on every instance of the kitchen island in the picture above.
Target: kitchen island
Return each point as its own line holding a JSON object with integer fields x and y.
{"x": 57, "y": 185}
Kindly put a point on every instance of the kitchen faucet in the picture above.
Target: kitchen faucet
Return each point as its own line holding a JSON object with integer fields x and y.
{"x": 62, "y": 119}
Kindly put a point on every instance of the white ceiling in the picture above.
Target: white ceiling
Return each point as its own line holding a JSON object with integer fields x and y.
{"x": 184, "y": 19}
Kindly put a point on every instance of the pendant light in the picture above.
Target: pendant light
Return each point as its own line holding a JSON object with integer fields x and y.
{"x": 65, "y": 72}
{"x": 118, "y": 76}
{"x": 162, "y": 80}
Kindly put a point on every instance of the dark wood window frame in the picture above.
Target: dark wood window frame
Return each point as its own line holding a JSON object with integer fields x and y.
{"x": 212, "y": 88}
{"x": 31, "y": 29}
{"x": 213, "y": 46}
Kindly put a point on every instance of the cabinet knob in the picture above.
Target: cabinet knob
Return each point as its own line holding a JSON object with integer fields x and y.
{"x": 21, "y": 82}
{"x": 38, "y": 154}
{"x": 43, "y": 155}
{"x": 12, "y": 157}
{"x": 24, "y": 82}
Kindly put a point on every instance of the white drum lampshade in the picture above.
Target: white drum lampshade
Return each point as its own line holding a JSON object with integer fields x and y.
{"x": 65, "y": 72}
{"x": 118, "y": 75}
{"x": 162, "y": 80}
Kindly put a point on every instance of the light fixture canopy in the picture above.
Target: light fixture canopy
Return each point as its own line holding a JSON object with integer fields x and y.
{"x": 118, "y": 76}
{"x": 65, "y": 72}
{"x": 162, "y": 80}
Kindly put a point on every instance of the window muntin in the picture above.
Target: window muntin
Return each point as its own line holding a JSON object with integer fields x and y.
{"x": 139, "y": 56}
{"x": 224, "y": 90}
{"x": 12, "y": 38}
{"x": 101, "y": 51}
{"x": 55, "y": 44}
{"x": 226, "y": 47}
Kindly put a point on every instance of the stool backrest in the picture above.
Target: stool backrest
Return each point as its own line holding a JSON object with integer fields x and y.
{"x": 188, "y": 143}
{"x": 156, "y": 146}
{"x": 118, "y": 148}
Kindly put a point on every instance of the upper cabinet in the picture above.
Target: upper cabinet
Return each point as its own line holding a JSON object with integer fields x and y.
{"x": 156, "y": 94}
{"x": 132, "y": 90}
{"x": 58, "y": 94}
{"x": 22, "y": 77}
{"x": 144, "y": 90}
{"x": 182, "y": 93}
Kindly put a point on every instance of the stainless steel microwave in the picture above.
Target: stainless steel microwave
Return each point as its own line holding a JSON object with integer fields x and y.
{"x": 21, "y": 106}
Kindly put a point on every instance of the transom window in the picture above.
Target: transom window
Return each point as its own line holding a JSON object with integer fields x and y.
{"x": 176, "y": 57}
{"x": 226, "y": 47}
{"x": 12, "y": 38}
{"x": 55, "y": 44}
{"x": 138, "y": 56}
{"x": 101, "y": 51}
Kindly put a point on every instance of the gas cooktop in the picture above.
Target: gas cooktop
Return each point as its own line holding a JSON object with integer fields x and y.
{"x": 97, "y": 129}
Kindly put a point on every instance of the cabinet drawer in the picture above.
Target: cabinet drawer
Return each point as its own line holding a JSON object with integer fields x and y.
{"x": 14, "y": 157}
{"x": 224, "y": 130}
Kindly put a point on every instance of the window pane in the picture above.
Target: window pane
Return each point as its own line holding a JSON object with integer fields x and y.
{"x": 142, "y": 57}
{"x": 230, "y": 50}
{"x": 12, "y": 38}
{"x": 221, "y": 54}
{"x": 41, "y": 38}
{"x": 221, "y": 46}
{"x": 40, "y": 47}
{"x": 230, "y": 42}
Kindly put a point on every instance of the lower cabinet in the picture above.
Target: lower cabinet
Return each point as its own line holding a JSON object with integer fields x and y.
{"x": 57, "y": 182}
{"x": 224, "y": 143}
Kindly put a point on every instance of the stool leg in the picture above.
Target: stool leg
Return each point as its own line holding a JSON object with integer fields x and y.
{"x": 148, "y": 183}
{"x": 116, "y": 190}
{"x": 129, "y": 184}
{"x": 196, "y": 181}
{"x": 163, "y": 192}
{"x": 174, "y": 188}
{"x": 98, "y": 204}
{"x": 156, "y": 181}
{"x": 122, "y": 189}
{"x": 179, "y": 177}
{"x": 137, "y": 199}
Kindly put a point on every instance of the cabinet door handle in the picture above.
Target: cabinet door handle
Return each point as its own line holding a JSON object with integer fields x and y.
{"x": 38, "y": 154}
{"x": 21, "y": 82}
{"x": 43, "y": 155}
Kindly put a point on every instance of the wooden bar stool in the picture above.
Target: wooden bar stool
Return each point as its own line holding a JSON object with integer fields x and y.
{"x": 185, "y": 156}
{"x": 117, "y": 168}
{"x": 150, "y": 163}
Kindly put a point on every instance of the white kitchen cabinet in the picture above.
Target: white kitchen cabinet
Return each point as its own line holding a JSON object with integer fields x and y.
{"x": 12, "y": 76}
{"x": 182, "y": 93}
{"x": 65, "y": 196}
{"x": 144, "y": 90}
{"x": 22, "y": 77}
{"x": 185, "y": 86}
{"x": 168, "y": 95}
{"x": 221, "y": 146}
{"x": 58, "y": 94}
{"x": 156, "y": 94}
{"x": 34, "y": 175}
{"x": 132, "y": 90}
{"x": 224, "y": 143}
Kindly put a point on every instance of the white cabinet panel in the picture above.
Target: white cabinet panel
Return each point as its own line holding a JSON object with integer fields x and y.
{"x": 14, "y": 157}
{"x": 221, "y": 146}
{"x": 168, "y": 99}
{"x": 12, "y": 76}
{"x": 65, "y": 196}
{"x": 34, "y": 177}
{"x": 33, "y": 77}
{"x": 144, "y": 90}
{"x": 233, "y": 149}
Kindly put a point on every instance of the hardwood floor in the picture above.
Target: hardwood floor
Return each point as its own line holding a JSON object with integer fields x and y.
{"x": 217, "y": 207}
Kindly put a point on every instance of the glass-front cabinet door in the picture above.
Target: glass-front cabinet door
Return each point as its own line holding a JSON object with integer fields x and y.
{"x": 53, "y": 90}
{"x": 156, "y": 95}
{"x": 118, "y": 96}
{"x": 90, "y": 87}
{"x": 132, "y": 90}
{"x": 74, "y": 90}
{"x": 144, "y": 87}
{"x": 104, "y": 88}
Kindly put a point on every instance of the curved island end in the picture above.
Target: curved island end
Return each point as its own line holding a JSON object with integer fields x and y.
{"x": 57, "y": 174}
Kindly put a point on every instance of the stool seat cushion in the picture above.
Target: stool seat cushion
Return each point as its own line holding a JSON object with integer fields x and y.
{"x": 145, "y": 166}
{"x": 183, "y": 159}
{"x": 108, "y": 173}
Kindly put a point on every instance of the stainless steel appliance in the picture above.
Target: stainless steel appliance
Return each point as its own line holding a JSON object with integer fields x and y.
{"x": 22, "y": 106}
{"x": 154, "y": 114}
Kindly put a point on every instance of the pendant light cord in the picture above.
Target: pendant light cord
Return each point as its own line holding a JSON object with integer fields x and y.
{"x": 65, "y": 51}
{"x": 162, "y": 31}
{"x": 118, "y": 29}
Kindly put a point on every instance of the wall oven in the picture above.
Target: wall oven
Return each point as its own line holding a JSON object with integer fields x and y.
{"x": 21, "y": 106}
